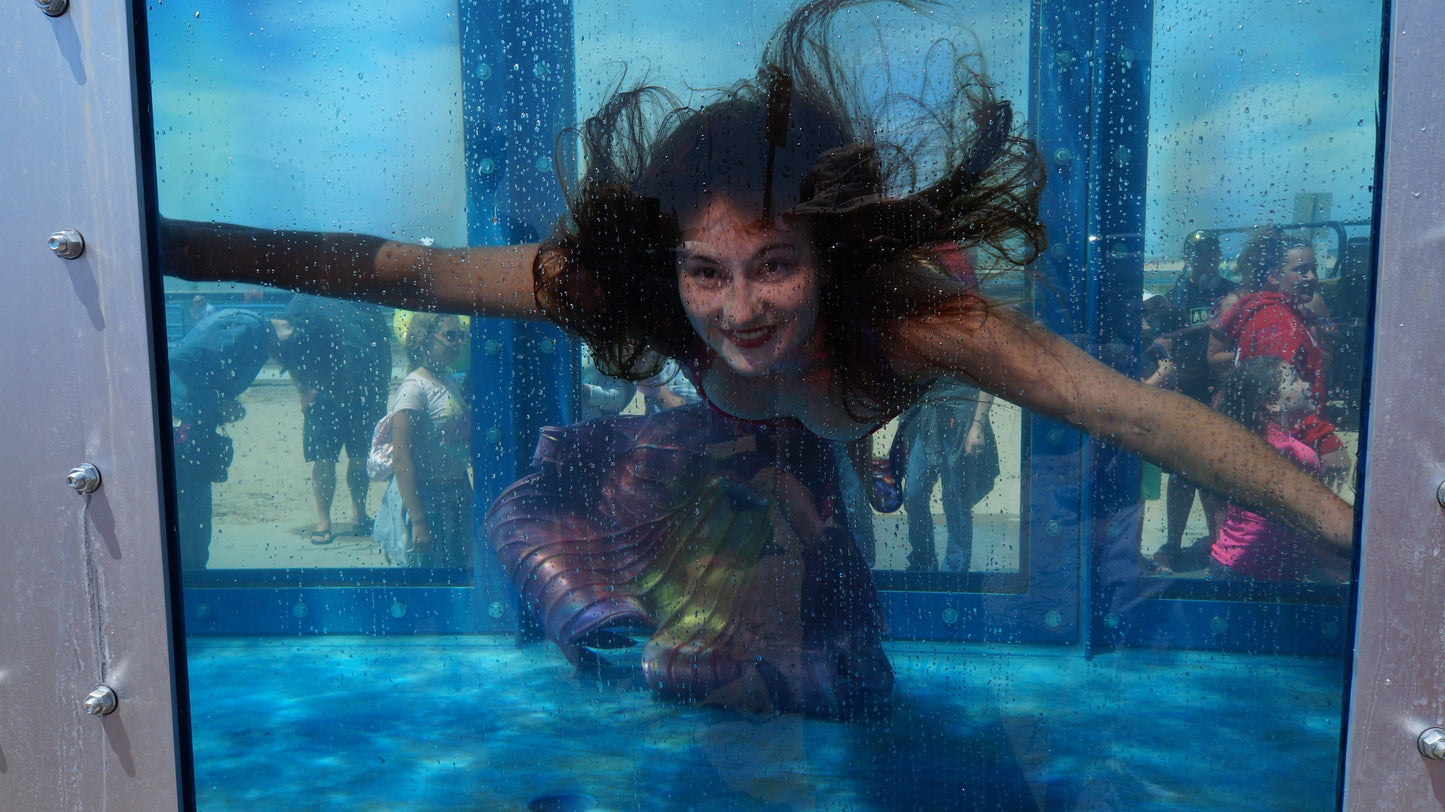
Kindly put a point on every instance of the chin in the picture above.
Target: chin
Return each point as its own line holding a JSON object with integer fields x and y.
{"x": 750, "y": 368}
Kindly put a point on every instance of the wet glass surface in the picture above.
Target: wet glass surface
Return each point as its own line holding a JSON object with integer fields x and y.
{"x": 1097, "y": 640}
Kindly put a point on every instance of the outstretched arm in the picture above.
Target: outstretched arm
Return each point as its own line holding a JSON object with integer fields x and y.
{"x": 1027, "y": 364}
{"x": 486, "y": 281}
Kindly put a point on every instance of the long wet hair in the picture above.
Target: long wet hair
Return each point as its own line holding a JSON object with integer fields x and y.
{"x": 1264, "y": 253}
{"x": 796, "y": 144}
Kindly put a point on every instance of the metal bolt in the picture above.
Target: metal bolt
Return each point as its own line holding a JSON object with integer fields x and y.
{"x": 67, "y": 243}
{"x": 1065, "y": 59}
{"x": 497, "y": 609}
{"x": 1440, "y": 494}
{"x": 1063, "y": 157}
{"x": 1432, "y": 744}
{"x": 83, "y": 478}
{"x": 950, "y": 616}
{"x": 100, "y": 702}
{"x": 53, "y": 8}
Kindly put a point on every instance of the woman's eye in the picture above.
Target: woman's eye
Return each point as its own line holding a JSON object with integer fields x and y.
{"x": 704, "y": 274}
{"x": 776, "y": 267}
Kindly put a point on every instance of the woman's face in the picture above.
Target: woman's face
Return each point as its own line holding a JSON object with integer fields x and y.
{"x": 750, "y": 289}
{"x": 1297, "y": 278}
{"x": 447, "y": 342}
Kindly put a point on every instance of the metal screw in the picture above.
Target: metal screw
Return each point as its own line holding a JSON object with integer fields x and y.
{"x": 53, "y": 8}
{"x": 83, "y": 478}
{"x": 1432, "y": 744}
{"x": 100, "y": 702}
{"x": 1440, "y": 494}
{"x": 67, "y": 243}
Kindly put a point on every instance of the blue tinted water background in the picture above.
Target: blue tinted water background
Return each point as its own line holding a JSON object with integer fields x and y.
{"x": 463, "y": 723}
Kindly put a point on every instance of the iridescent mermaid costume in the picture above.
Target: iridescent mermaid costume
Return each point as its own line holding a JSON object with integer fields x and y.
{"x": 722, "y": 537}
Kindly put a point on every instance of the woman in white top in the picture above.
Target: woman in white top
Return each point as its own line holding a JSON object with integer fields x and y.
{"x": 426, "y": 516}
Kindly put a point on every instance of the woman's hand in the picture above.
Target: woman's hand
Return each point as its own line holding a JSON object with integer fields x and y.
{"x": 1335, "y": 467}
{"x": 974, "y": 441}
{"x": 421, "y": 536}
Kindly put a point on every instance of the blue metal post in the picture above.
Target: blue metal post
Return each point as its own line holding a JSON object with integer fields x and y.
{"x": 1090, "y": 113}
{"x": 517, "y": 95}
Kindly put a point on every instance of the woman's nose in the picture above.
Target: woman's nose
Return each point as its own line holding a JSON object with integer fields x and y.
{"x": 741, "y": 305}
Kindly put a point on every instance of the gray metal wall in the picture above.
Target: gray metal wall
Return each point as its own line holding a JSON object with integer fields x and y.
{"x": 82, "y": 585}
{"x": 1399, "y": 676}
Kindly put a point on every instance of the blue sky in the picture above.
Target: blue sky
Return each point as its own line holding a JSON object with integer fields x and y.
{"x": 347, "y": 115}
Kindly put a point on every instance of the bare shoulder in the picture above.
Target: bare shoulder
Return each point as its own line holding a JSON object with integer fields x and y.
{"x": 1006, "y": 354}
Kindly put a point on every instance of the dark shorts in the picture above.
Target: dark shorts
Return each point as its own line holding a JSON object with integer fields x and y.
{"x": 329, "y": 425}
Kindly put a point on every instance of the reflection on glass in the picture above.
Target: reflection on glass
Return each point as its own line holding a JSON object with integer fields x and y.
{"x": 424, "y": 444}
{"x": 240, "y": 430}
{"x": 1293, "y": 293}
{"x": 714, "y": 537}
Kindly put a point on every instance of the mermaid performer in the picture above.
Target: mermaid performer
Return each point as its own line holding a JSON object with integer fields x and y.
{"x": 775, "y": 245}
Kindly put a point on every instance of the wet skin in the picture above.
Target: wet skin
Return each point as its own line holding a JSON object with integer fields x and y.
{"x": 750, "y": 289}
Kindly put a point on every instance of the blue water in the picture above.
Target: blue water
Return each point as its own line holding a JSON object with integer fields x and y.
{"x": 463, "y": 723}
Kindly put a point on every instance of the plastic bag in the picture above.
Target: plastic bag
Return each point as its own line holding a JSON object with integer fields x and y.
{"x": 378, "y": 460}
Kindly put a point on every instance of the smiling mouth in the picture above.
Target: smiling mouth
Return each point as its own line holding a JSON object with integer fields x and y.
{"x": 749, "y": 339}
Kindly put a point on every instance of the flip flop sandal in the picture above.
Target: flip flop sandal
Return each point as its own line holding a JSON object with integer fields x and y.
{"x": 320, "y": 536}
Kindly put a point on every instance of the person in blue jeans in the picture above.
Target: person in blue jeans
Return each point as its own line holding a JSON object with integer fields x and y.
{"x": 947, "y": 439}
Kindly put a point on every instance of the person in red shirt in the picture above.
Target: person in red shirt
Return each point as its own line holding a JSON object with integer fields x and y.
{"x": 1273, "y": 321}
